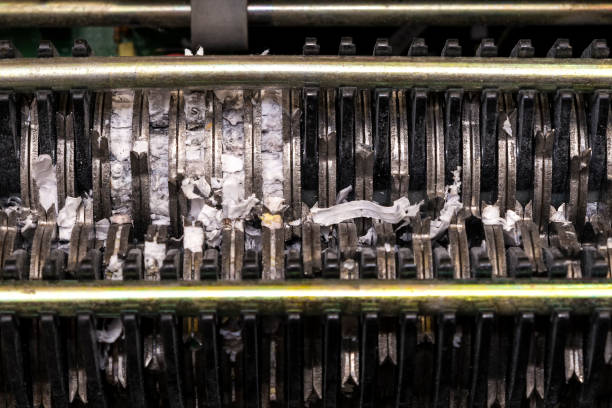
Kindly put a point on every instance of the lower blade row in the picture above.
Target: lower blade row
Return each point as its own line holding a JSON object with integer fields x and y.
{"x": 296, "y": 360}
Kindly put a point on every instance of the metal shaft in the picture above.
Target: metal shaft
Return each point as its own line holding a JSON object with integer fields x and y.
{"x": 168, "y": 13}
{"x": 311, "y": 296}
{"x": 296, "y": 71}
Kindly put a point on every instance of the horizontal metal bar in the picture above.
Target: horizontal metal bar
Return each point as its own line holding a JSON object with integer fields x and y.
{"x": 313, "y": 296}
{"x": 168, "y": 13}
{"x": 34, "y": 13}
{"x": 395, "y": 13}
{"x": 289, "y": 71}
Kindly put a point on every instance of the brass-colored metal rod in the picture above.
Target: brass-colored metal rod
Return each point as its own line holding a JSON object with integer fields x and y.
{"x": 168, "y": 13}
{"x": 313, "y": 296}
{"x": 25, "y": 74}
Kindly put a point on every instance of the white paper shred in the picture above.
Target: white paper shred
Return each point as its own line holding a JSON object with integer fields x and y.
{"x": 28, "y": 224}
{"x": 195, "y": 115}
{"x": 43, "y": 172}
{"x": 343, "y": 194}
{"x": 67, "y": 217}
{"x": 140, "y": 146}
{"x": 159, "y": 105}
{"x": 212, "y": 221}
{"x": 195, "y": 188}
{"x": 272, "y": 143}
{"x": 399, "y": 211}
{"x": 232, "y": 341}
{"x": 120, "y": 144}
{"x": 558, "y": 215}
{"x": 452, "y": 204}
{"x": 154, "y": 254}
{"x": 252, "y": 238}
{"x": 491, "y": 216}
{"x": 102, "y": 227}
{"x": 507, "y": 126}
{"x": 115, "y": 268}
{"x": 111, "y": 332}
{"x": 593, "y": 209}
{"x": 194, "y": 239}
{"x": 232, "y": 160}
{"x": 199, "y": 52}
{"x": 369, "y": 239}
{"x": 275, "y": 205}
{"x": 241, "y": 209}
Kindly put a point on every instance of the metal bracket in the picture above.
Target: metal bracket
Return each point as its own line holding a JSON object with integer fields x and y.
{"x": 220, "y": 26}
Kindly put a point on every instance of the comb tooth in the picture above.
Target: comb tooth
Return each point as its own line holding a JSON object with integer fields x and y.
{"x": 313, "y": 360}
{"x": 484, "y": 353}
{"x": 310, "y": 146}
{"x": 555, "y": 375}
{"x": 593, "y": 263}
{"x": 445, "y": 364}
{"x": 435, "y": 155}
{"x": 452, "y": 48}
{"x": 517, "y": 380}
{"x": 599, "y": 114}
{"x": 487, "y": 48}
{"x": 170, "y": 346}
{"x": 384, "y": 103}
{"x": 424, "y": 362}
{"x": 369, "y": 359}
{"x": 208, "y": 378}
{"x": 347, "y": 47}
{"x": 489, "y": 114}
{"x": 519, "y": 265}
{"x": 418, "y": 48}
{"x": 598, "y": 48}
{"x": 135, "y": 377}
{"x": 560, "y": 49}
{"x": 382, "y": 47}
{"x": 594, "y": 359}
{"x": 406, "y": 360}
{"x": 209, "y": 269}
{"x": 525, "y": 145}
{"x": 88, "y": 355}
{"x": 470, "y": 176}
{"x": 294, "y": 358}
{"x": 406, "y": 267}
{"x": 345, "y": 172}
{"x": 331, "y": 264}
{"x": 50, "y": 336}
{"x": 47, "y": 138}
{"x": 13, "y": 360}
{"x": 311, "y": 47}
{"x": 9, "y": 148}
{"x": 350, "y": 359}
{"x": 443, "y": 265}
{"x": 331, "y": 364}
{"x": 453, "y": 101}
{"x": 81, "y": 48}
{"x": 459, "y": 247}
{"x": 102, "y": 136}
{"x": 250, "y": 360}
{"x": 418, "y": 144}
{"x": 523, "y": 49}
{"x": 561, "y": 122}
{"x": 80, "y": 100}
{"x": 463, "y": 349}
